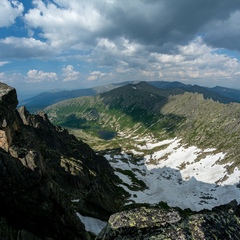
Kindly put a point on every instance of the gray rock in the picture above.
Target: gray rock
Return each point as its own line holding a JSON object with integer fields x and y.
{"x": 149, "y": 223}
{"x": 42, "y": 167}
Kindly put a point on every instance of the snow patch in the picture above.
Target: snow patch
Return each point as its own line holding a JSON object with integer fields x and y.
{"x": 149, "y": 146}
{"x": 185, "y": 159}
{"x": 93, "y": 225}
{"x": 185, "y": 177}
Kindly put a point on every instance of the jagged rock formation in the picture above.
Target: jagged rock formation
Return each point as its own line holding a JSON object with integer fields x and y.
{"x": 41, "y": 168}
{"x": 145, "y": 223}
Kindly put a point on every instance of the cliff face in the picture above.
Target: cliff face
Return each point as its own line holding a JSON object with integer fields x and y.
{"x": 8, "y": 103}
{"x": 42, "y": 168}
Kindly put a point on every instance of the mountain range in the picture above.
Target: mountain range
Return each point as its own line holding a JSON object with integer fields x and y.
{"x": 42, "y": 100}
{"x": 135, "y": 162}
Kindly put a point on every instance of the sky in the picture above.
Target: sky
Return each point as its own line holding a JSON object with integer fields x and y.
{"x": 72, "y": 44}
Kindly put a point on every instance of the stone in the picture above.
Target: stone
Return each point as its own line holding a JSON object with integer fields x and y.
{"x": 43, "y": 167}
{"x": 156, "y": 223}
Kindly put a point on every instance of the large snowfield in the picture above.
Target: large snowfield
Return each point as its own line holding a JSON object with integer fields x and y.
{"x": 185, "y": 177}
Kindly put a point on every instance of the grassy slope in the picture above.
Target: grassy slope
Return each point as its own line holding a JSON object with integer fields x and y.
{"x": 198, "y": 121}
{"x": 208, "y": 123}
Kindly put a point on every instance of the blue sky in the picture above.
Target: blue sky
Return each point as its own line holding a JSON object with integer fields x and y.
{"x": 69, "y": 44}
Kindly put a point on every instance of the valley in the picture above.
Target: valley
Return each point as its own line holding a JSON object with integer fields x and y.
{"x": 139, "y": 162}
{"x": 179, "y": 149}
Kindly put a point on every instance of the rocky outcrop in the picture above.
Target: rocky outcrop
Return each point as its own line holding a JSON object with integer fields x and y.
{"x": 42, "y": 168}
{"x": 32, "y": 201}
{"x": 8, "y": 103}
{"x": 148, "y": 223}
{"x": 76, "y": 168}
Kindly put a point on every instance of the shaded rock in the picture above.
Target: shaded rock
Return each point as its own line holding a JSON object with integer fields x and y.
{"x": 76, "y": 168}
{"x": 42, "y": 168}
{"x": 10, "y": 233}
{"x": 34, "y": 202}
{"x": 8, "y": 103}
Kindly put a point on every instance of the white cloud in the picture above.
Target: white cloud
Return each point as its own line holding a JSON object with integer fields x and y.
{"x": 3, "y": 63}
{"x": 195, "y": 60}
{"x": 95, "y": 75}
{"x": 127, "y": 40}
{"x": 69, "y": 74}
{"x": 9, "y": 11}
{"x": 68, "y": 25}
{"x": 2, "y": 75}
{"x": 24, "y": 48}
{"x": 98, "y": 75}
{"x": 136, "y": 39}
{"x": 34, "y": 76}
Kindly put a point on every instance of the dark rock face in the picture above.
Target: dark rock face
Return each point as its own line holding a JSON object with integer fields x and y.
{"x": 8, "y": 103}
{"x": 41, "y": 168}
{"x": 75, "y": 166}
{"x": 144, "y": 223}
{"x": 33, "y": 202}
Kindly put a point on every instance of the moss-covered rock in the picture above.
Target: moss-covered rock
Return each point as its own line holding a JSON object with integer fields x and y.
{"x": 148, "y": 223}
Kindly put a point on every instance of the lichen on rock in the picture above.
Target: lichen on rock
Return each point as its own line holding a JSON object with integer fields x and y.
{"x": 156, "y": 223}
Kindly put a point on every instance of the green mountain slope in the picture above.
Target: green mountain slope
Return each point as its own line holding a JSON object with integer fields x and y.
{"x": 131, "y": 109}
{"x": 144, "y": 110}
{"x": 208, "y": 123}
{"x": 45, "y": 99}
{"x": 42, "y": 100}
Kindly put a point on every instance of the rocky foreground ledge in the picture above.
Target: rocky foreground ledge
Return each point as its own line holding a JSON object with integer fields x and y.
{"x": 149, "y": 223}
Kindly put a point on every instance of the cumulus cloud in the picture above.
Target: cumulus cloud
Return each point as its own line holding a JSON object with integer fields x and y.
{"x": 2, "y": 75}
{"x": 131, "y": 30}
{"x": 14, "y": 47}
{"x": 158, "y": 24}
{"x": 69, "y": 74}
{"x": 3, "y": 63}
{"x": 130, "y": 40}
{"x": 9, "y": 11}
{"x": 66, "y": 23}
{"x": 195, "y": 60}
{"x": 98, "y": 75}
{"x": 34, "y": 76}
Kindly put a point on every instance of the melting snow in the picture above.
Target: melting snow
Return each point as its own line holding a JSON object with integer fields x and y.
{"x": 185, "y": 159}
{"x": 148, "y": 146}
{"x": 93, "y": 225}
{"x": 183, "y": 177}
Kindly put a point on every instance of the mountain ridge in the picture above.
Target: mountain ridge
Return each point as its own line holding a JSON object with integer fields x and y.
{"x": 42, "y": 100}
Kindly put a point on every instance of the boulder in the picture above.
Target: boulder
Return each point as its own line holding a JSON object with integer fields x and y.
{"x": 156, "y": 223}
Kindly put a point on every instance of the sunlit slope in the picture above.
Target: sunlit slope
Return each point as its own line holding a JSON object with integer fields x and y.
{"x": 132, "y": 110}
{"x": 139, "y": 110}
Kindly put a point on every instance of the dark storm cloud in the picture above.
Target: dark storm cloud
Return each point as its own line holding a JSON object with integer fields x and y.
{"x": 159, "y": 25}
{"x": 162, "y": 23}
